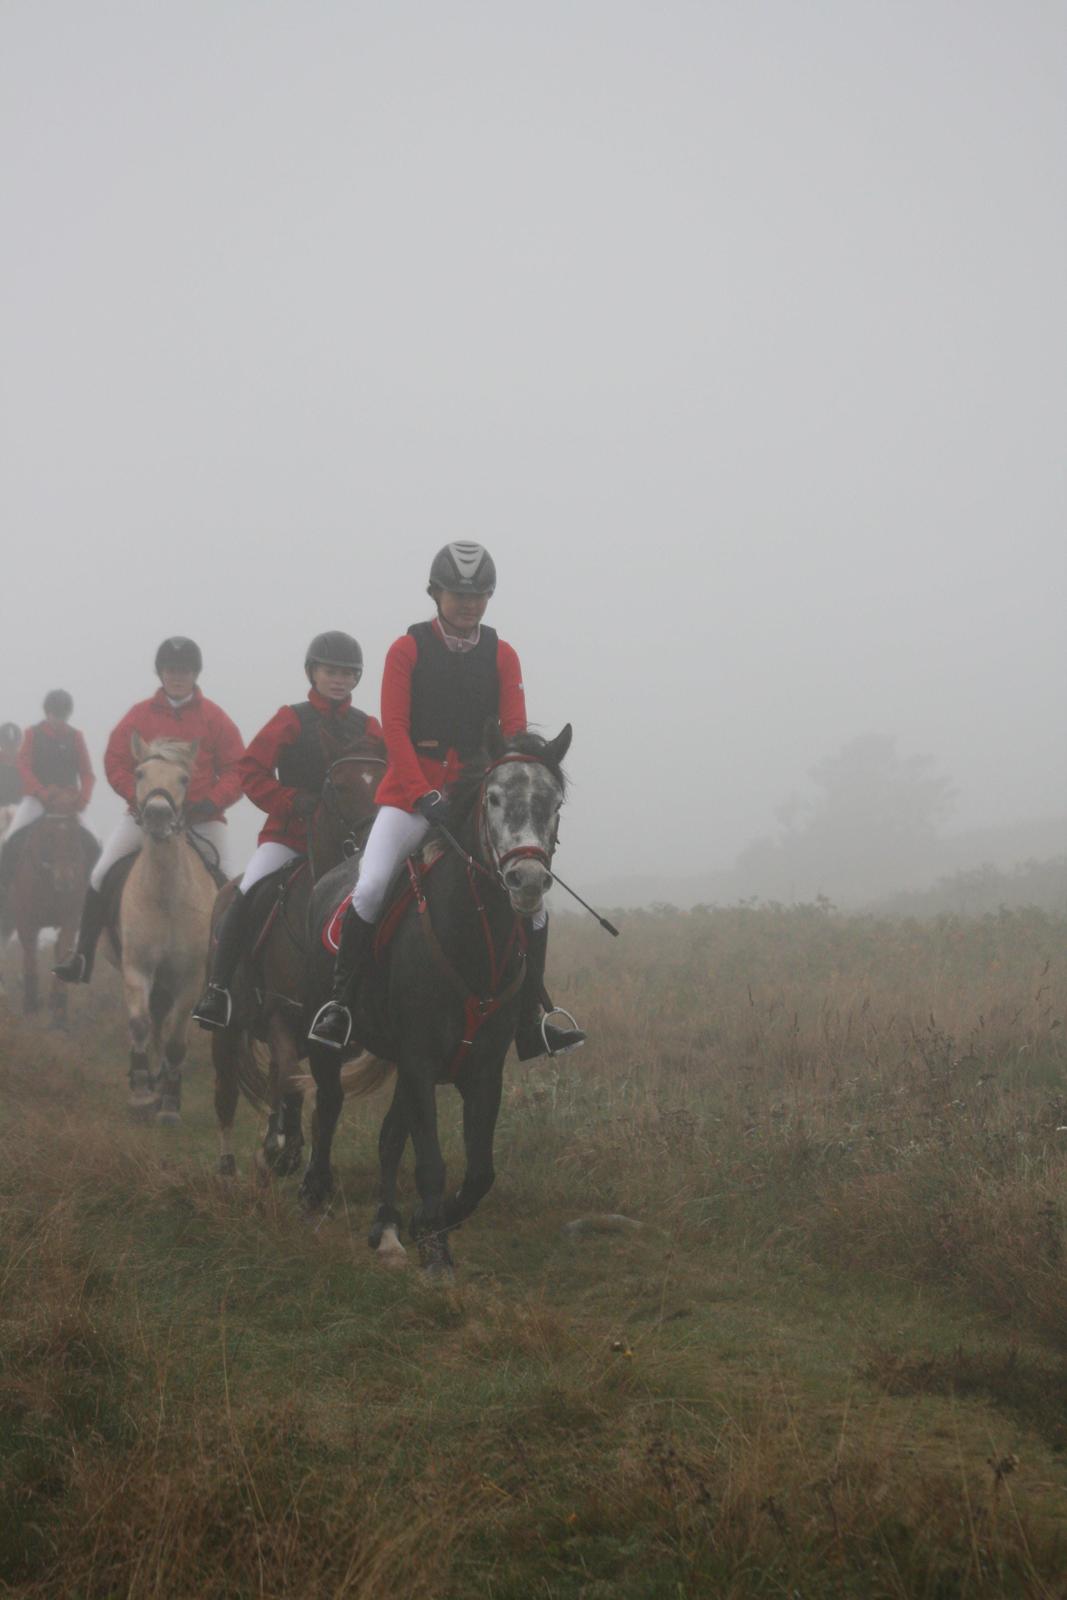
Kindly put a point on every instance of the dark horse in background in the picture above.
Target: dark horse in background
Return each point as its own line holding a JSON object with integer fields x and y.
{"x": 268, "y": 985}
{"x": 443, "y": 999}
{"x": 48, "y": 885}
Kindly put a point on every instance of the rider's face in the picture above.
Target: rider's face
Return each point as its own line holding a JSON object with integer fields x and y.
{"x": 179, "y": 684}
{"x": 334, "y": 683}
{"x": 461, "y": 613}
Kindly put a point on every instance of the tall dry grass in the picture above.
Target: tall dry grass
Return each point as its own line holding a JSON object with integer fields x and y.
{"x": 831, "y": 1362}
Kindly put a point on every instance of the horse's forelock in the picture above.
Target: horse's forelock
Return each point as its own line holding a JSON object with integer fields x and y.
{"x": 465, "y": 790}
{"x": 178, "y": 751}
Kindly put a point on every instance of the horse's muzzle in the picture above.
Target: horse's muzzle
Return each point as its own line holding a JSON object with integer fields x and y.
{"x": 527, "y": 883}
{"x": 159, "y": 820}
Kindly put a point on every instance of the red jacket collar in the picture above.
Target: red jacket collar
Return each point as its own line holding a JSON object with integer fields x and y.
{"x": 160, "y": 699}
{"x": 329, "y": 708}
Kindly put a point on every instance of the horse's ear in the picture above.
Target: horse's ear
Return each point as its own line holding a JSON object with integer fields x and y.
{"x": 138, "y": 746}
{"x": 555, "y": 752}
{"x": 494, "y": 739}
{"x": 194, "y": 746}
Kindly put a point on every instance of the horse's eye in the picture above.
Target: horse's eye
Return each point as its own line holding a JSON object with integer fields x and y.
{"x": 184, "y": 782}
{"x": 138, "y": 773}
{"x": 494, "y": 799}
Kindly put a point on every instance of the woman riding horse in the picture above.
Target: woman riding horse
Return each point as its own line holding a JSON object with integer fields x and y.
{"x": 177, "y": 712}
{"x": 56, "y": 777}
{"x": 283, "y": 772}
{"x": 443, "y": 681}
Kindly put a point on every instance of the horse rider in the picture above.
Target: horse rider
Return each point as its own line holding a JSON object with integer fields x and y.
{"x": 177, "y": 710}
{"x": 56, "y": 776}
{"x": 283, "y": 772}
{"x": 443, "y": 680}
{"x": 10, "y": 780}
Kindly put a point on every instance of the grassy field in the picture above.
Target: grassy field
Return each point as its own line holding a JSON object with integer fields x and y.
{"x": 832, "y": 1361}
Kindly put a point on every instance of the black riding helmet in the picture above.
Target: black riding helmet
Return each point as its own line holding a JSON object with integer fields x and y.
{"x": 180, "y": 654}
{"x": 463, "y": 569}
{"x": 334, "y": 649}
{"x": 58, "y": 703}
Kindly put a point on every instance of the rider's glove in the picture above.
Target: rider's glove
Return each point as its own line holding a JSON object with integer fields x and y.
{"x": 433, "y": 806}
{"x": 200, "y": 811}
{"x": 304, "y": 803}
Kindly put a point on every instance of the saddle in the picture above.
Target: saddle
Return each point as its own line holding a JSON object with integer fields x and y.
{"x": 398, "y": 898}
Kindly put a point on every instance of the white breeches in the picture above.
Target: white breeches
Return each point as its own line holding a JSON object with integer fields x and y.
{"x": 29, "y": 809}
{"x": 268, "y": 858}
{"x": 395, "y": 835}
{"x": 126, "y": 838}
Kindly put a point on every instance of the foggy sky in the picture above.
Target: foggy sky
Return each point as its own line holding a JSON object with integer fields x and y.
{"x": 736, "y": 333}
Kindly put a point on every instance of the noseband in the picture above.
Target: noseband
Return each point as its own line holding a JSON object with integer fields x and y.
{"x": 161, "y": 794}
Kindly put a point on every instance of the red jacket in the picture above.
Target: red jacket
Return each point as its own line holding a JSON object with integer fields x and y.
{"x": 215, "y": 775}
{"x": 409, "y": 775}
{"x": 50, "y": 793}
{"x": 258, "y": 770}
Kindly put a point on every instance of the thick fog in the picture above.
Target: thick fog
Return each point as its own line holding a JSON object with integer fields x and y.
{"x": 736, "y": 333}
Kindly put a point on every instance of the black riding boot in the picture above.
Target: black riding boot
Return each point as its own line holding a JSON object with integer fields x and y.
{"x": 535, "y": 1036}
{"x": 333, "y": 1021}
{"x": 214, "y": 1009}
{"x": 78, "y": 967}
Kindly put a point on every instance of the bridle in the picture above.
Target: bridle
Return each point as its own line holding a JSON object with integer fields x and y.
{"x": 498, "y": 860}
{"x": 350, "y": 844}
{"x": 177, "y": 810}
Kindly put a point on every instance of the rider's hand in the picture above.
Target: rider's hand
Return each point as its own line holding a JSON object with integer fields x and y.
{"x": 200, "y": 811}
{"x": 433, "y": 806}
{"x": 304, "y": 804}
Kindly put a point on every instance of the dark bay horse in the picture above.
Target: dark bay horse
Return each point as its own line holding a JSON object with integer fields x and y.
{"x": 47, "y": 889}
{"x": 443, "y": 1000}
{"x": 268, "y": 990}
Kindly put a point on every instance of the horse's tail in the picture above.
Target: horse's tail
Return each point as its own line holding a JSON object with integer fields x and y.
{"x": 253, "y": 1071}
{"x": 359, "y": 1078}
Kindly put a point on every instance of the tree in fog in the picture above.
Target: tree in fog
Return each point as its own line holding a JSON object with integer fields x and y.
{"x": 871, "y": 825}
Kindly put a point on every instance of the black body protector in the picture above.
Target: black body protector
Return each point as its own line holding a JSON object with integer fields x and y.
{"x": 304, "y": 764}
{"x": 453, "y": 693}
{"x": 55, "y": 757}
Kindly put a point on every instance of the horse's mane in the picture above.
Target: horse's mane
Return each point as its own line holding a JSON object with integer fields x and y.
{"x": 463, "y": 793}
{"x": 166, "y": 749}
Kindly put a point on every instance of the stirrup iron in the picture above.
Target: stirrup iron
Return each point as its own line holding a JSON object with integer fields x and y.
{"x": 565, "y": 1049}
{"x": 331, "y": 1044}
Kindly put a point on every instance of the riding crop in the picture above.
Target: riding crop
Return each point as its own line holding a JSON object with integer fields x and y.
{"x": 451, "y": 840}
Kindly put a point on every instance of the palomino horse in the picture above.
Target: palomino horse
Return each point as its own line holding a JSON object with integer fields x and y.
{"x": 46, "y": 891}
{"x": 164, "y": 917}
{"x": 442, "y": 1002}
{"x": 268, "y": 988}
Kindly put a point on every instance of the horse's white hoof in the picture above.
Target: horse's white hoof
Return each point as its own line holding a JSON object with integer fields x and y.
{"x": 391, "y": 1252}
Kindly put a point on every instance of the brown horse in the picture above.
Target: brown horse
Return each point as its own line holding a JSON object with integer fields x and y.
{"x": 268, "y": 988}
{"x": 159, "y": 927}
{"x": 47, "y": 890}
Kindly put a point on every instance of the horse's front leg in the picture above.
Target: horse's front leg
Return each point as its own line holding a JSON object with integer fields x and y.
{"x": 418, "y": 1091}
{"x": 31, "y": 999}
{"x": 283, "y": 1143}
{"x": 316, "y": 1187}
{"x": 59, "y": 994}
{"x": 224, "y": 1047}
{"x": 481, "y": 1106}
{"x": 136, "y": 987}
{"x": 174, "y": 1033}
{"x": 385, "y": 1230}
